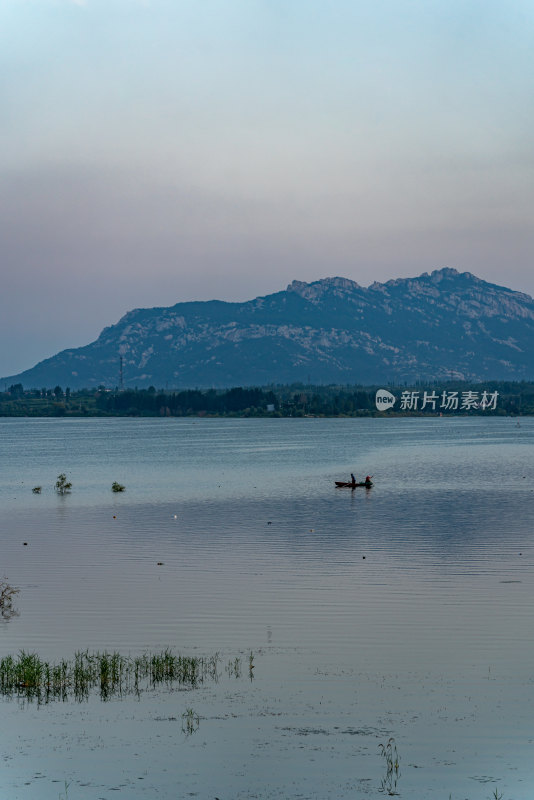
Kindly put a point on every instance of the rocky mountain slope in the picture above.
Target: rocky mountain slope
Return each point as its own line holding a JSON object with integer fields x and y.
{"x": 438, "y": 326}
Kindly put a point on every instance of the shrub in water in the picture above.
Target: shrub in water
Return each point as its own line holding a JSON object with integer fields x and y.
{"x": 62, "y": 484}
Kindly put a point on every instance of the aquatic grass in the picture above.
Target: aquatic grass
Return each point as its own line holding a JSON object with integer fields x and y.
{"x": 233, "y": 668}
{"x": 391, "y": 756}
{"x": 117, "y": 487}
{"x": 28, "y": 677}
{"x": 65, "y": 796}
{"x": 7, "y": 593}
{"x": 190, "y": 722}
{"x": 62, "y": 485}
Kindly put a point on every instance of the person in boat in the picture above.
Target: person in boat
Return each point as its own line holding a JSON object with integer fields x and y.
{"x": 368, "y": 480}
{"x": 353, "y": 479}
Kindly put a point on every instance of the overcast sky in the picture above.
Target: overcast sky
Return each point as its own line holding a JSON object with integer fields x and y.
{"x": 154, "y": 151}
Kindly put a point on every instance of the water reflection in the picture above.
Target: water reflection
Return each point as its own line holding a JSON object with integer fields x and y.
{"x": 402, "y": 611}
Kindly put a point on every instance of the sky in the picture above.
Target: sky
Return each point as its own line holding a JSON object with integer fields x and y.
{"x": 157, "y": 151}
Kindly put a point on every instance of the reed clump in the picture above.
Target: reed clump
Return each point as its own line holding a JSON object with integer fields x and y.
{"x": 28, "y": 677}
{"x": 391, "y": 756}
{"x": 117, "y": 487}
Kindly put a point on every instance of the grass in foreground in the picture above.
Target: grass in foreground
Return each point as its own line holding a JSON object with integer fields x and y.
{"x": 28, "y": 677}
{"x": 391, "y": 756}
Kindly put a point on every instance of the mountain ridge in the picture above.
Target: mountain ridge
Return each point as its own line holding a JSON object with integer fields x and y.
{"x": 439, "y": 325}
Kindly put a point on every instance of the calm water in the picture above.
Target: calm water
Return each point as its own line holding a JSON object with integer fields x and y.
{"x": 402, "y": 611}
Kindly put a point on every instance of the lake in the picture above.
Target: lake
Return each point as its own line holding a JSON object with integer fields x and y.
{"x": 401, "y": 612}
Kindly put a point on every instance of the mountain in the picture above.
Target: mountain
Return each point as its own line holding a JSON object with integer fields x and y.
{"x": 440, "y": 325}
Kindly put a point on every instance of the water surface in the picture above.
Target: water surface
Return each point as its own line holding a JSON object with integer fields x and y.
{"x": 402, "y": 611}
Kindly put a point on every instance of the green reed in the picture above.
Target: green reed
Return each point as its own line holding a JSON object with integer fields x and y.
{"x": 65, "y": 796}
{"x": 28, "y": 677}
{"x": 190, "y": 722}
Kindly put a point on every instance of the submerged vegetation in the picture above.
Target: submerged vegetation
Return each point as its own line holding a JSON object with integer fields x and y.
{"x": 62, "y": 485}
{"x": 7, "y": 593}
{"x": 190, "y": 722}
{"x": 65, "y": 795}
{"x": 30, "y": 678}
{"x": 389, "y": 753}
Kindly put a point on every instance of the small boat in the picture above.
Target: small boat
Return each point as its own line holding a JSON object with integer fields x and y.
{"x": 350, "y": 485}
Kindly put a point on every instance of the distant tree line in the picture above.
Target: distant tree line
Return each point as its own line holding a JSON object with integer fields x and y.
{"x": 297, "y": 400}
{"x": 149, "y": 402}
